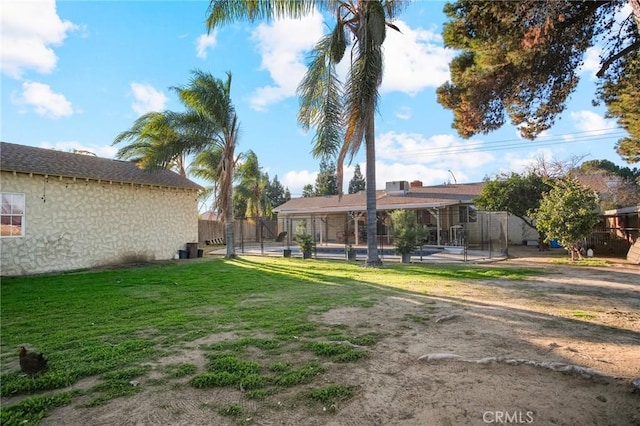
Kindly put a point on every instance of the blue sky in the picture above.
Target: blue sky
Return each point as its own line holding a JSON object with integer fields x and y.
{"x": 77, "y": 73}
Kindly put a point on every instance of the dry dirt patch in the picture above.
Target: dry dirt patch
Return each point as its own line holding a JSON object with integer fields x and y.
{"x": 587, "y": 317}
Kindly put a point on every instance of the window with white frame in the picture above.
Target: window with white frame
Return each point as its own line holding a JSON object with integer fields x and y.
{"x": 12, "y": 215}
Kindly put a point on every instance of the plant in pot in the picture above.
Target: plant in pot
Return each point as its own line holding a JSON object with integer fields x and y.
{"x": 306, "y": 243}
{"x": 351, "y": 252}
{"x": 407, "y": 235}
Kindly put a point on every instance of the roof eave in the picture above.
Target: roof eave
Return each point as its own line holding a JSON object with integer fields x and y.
{"x": 344, "y": 209}
{"x": 195, "y": 186}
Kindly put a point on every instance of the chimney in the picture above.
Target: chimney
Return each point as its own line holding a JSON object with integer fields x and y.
{"x": 397, "y": 187}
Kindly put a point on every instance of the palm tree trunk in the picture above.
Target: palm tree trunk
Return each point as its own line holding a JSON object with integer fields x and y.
{"x": 372, "y": 224}
{"x": 228, "y": 226}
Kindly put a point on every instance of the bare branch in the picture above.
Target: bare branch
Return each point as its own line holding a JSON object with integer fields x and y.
{"x": 611, "y": 59}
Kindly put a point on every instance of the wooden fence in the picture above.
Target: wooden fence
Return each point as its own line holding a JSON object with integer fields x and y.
{"x": 252, "y": 230}
{"x": 608, "y": 243}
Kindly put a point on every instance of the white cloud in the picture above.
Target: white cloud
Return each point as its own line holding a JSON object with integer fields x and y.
{"x": 204, "y": 42}
{"x": 589, "y": 121}
{"x": 104, "y": 151}
{"x": 440, "y": 151}
{"x": 413, "y": 60}
{"x": 295, "y": 180}
{"x": 398, "y": 171}
{"x": 146, "y": 98}
{"x": 28, "y": 29}
{"x": 404, "y": 113}
{"x": 43, "y": 100}
{"x": 282, "y": 45}
{"x": 592, "y": 61}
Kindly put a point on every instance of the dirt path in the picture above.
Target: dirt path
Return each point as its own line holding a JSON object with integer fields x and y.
{"x": 512, "y": 338}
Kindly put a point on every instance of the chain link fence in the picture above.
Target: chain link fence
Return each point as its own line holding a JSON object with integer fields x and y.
{"x": 459, "y": 231}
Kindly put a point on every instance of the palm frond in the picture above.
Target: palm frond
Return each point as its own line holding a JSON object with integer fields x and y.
{"x": 365, "y": 76}
{"x": 321, "y": 95}
{"x": 222, "y": 12}
{"x": 393, "y": 8}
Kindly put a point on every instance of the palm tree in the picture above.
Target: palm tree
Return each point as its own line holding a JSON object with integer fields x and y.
{"x": 155, "y": 143}
{"x": 206, "y": 166}
{"x": 209, "y": 123}
{"x": 252, "y": 187}
{"x": 343, "y": 114}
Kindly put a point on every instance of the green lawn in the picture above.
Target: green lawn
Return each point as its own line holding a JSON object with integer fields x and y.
{"x": 112, "y": 324}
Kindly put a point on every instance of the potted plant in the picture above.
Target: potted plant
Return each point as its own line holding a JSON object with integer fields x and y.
{"x": 306, "y": 243}
{"x": 351, "y": 252}
{"x": 407, "y": 235}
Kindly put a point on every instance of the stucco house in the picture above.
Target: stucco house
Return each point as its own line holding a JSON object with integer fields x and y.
{"x": 65, "y": 211}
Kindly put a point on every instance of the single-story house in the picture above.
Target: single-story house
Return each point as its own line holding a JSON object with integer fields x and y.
{"x": 446, "y": 211}
{"x": 65, "y": 211}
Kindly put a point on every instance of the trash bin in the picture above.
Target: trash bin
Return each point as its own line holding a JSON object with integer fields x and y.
{"x": 192, "y": 250}
{"x": 182, "y": 254}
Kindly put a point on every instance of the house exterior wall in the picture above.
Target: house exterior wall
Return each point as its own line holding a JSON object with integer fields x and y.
{"x": 74, "y": 224}
{"x": 520, "y": 232}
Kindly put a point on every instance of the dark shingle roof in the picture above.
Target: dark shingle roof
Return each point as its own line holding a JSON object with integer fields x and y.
{"x": 416, "y": 197}
{"x": 28, "y": 159}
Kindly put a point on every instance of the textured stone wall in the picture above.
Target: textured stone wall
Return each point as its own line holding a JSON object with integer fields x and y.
{"x": 73, "y": 224}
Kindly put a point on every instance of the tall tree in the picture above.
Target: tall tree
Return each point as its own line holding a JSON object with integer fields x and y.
{"x": 357, "y": 182}
{"x": 554, "y": 168}
{"x": 521, "y": 59}
{"x": 212, "y": 121}
{"x": 517, "y": 194}
{"x": 568, "y": 213}
{"x": 326, "y": 180}
{"x": 308, "y": 191}
{"x": 276, "y": 192}
{"x": 209, "y": 122}
{"x": 326, "y": 104}
{"x": 609, "y": 167}
{"x": 621, "y": 96}
{"x": 252, "y": 187}
{"x": 623, "y": 183}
